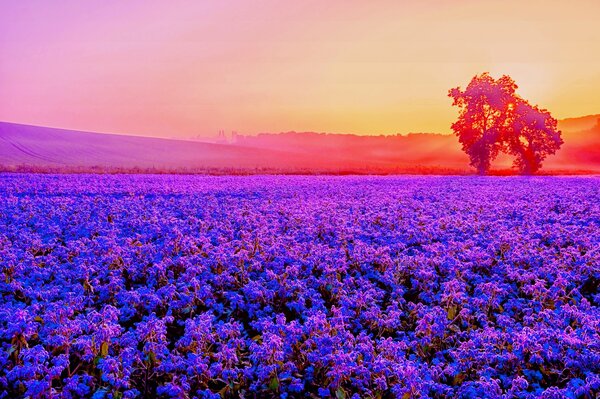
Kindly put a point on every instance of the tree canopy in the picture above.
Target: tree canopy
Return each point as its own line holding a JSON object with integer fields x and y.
{"x": 494, "y": 119}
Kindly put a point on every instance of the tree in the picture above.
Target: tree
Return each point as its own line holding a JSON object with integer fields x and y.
{"x": 494, "y": 119}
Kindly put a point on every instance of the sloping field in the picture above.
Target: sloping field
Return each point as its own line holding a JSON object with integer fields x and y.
{"x": 39, "y": 146}
{"x": 42, "y": 148}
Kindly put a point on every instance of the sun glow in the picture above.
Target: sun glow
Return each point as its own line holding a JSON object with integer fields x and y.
{"x": 182, "y": 68}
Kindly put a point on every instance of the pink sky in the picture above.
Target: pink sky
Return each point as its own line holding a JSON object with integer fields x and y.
{"x": 179, "y": 68}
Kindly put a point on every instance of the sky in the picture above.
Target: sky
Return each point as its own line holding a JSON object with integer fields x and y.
{"x": 177, "y": 68}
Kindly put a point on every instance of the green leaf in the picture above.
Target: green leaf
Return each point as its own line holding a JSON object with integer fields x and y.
{"x": 458, "y": 379}
{"x": 451, "y": 312}
{"x": 274, "y": 384}
{"x": 340, "y": 394}
{"x": 104, "y": 349}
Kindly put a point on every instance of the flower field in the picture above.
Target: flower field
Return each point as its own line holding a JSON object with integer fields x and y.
{"x": 272, "y": 286}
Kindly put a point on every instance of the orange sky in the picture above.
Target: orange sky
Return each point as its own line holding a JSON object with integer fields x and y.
{"x": 180, "y": 68}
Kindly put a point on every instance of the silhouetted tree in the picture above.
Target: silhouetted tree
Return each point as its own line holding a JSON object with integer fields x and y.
{"x": 483, "y": 117}
{"x": 493, "y": 118}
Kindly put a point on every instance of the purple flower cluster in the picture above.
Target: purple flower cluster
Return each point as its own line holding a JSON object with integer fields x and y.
{"x": 344, "y": 287}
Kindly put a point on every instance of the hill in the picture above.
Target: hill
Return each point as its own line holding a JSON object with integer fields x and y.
{"x": 35, "y": 148}
{"x": 40, "y": 148}
{"x": 25, "y": 147}
{"x": 581, "y": 149}
{"x": 578, "y": 124}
